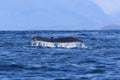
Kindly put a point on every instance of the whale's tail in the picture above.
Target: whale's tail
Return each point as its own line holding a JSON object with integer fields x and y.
{"x": 65, "y": 42}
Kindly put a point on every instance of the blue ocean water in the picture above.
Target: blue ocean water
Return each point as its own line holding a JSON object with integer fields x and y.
{"x": 20, "y": 61}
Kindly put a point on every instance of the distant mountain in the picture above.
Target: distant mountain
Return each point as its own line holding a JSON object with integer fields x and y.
{"x": 111, "y": 27}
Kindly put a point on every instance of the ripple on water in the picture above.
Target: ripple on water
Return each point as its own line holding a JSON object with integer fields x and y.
{"x": 18, "y": 58}
{"x": 63, "y": 79}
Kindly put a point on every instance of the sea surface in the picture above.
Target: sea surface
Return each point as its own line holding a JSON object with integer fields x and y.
{"x": 20, "y": 61}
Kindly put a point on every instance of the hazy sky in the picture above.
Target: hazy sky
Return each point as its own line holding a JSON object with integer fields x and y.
{"x": 108, "y": 6}
{"x": 58, "y": 14}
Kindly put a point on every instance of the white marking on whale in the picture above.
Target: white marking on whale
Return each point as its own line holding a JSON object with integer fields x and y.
{"x": 57, "y": 43}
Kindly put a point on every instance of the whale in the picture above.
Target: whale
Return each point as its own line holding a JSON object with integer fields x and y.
{"x": 64, "y": 42}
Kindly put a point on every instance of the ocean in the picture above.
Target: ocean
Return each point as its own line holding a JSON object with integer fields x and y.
{"x": 20, "y": 61}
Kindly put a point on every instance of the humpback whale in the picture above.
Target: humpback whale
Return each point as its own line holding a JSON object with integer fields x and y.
{"x": 64, "y": 42}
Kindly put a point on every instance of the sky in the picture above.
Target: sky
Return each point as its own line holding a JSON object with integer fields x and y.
{"x": 109, "y": 6}
{"x": 58, "y": 14}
